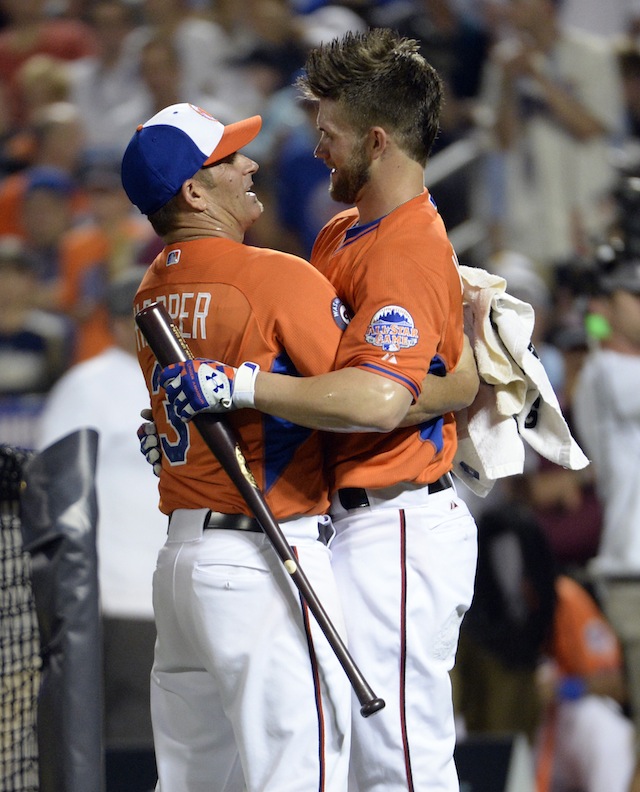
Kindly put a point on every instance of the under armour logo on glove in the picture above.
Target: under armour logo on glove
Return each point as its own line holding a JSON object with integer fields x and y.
{"x": 201, "y": 385}
{"x": 195, "y": 386}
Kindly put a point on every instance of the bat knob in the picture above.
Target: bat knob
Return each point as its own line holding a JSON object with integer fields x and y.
{"x": 371, "y": 706}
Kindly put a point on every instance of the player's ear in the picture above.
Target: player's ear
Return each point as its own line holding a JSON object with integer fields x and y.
{"x": 193, "y": 193}
{"x": 377, "y": 142}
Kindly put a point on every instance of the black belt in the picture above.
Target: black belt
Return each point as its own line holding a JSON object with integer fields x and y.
{"x": 234, "y": 522}
{"x": 357, "y": 498}
{"x": 242, "y": 522}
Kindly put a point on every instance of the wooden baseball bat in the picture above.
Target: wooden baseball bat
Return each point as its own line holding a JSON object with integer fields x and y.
{"x": 168, "y": 346}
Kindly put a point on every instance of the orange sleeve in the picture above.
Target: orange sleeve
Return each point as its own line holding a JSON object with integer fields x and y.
{"x": 399, "y": 277}
{"x": 397, "y": 329}
{"x": 583, "y": 641}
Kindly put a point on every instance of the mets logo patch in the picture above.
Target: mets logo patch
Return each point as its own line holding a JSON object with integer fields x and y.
{"x": 392, "y": 328}
{"x": 340, "y": 313}
{"x": 202, "y": 112}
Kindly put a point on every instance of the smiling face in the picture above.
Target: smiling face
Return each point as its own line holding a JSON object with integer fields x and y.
{"x": 229, "y": 185}
{"x": 343, "y": 150}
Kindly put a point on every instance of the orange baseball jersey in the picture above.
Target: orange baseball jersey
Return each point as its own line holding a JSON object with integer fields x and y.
{"x": 399, "y": 279}
{"x": 583, "y": 641}
{"x": 233, "y": 302}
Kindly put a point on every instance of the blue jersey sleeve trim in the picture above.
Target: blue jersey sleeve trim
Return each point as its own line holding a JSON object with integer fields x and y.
{"x": 356, "y": 232}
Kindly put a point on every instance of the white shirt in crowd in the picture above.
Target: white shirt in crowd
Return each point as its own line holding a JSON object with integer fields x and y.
{"x": 606, "y": 413}
{"x": 106, "y": 393}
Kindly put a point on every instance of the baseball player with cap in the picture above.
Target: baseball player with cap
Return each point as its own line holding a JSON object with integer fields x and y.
{"x": 246, "y": 693}
{"x": 405, "y": 550}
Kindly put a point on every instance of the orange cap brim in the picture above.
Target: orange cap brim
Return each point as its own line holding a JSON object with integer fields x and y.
{"x": 234, "y": 137}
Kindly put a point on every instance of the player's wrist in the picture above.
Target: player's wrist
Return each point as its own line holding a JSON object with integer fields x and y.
{"x": 244, "y": 385}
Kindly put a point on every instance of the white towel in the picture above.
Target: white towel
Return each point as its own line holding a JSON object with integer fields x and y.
{"x": 515, "y": 402}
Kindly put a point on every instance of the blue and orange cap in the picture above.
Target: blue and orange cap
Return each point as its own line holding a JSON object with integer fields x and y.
{"x": 172, "y": 146}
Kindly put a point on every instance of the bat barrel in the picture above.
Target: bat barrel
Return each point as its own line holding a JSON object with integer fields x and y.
{"x": 163, "y": 337}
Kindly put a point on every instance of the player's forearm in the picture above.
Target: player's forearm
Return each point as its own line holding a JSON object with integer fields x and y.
{"x": 349, "y": 400}
{"x": 441, "y": 395}
{"x": 446, "y": 394}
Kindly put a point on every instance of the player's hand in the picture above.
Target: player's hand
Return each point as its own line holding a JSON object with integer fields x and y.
{"x": 201, "y": 385}
{"x": 150, "y": 442}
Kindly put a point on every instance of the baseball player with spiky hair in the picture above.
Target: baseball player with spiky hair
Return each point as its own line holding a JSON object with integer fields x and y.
{"x": 405, "y": 550}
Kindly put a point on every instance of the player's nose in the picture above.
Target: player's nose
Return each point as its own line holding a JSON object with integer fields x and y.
{"x": 249, "y": 165}
{"x": 319, "y": 152}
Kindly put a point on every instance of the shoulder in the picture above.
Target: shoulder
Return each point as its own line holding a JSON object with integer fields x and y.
{"x": 338, "y": 223}
{"x": 416, "y": 231}
{"x": 282, "y": 278}
{"x": 283, "y": 267}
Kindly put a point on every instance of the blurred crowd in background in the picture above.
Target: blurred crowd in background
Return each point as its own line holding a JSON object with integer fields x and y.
{"x": 536, "y": 173}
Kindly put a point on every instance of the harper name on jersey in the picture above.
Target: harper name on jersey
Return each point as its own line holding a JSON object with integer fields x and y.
{"x": 189, "y": 312}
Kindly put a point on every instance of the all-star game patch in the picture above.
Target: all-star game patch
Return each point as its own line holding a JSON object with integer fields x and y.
{"x": 392, "y": 328}
{"x": 340, "y": 313}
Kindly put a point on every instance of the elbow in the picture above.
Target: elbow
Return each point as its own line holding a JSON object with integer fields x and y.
{"x": 370, "y": 404}
{"x": 383, "y": 427}
{"x": 386, "y": 420}
{"x": 472, "y": 389}
{"x": 466, "y": 393}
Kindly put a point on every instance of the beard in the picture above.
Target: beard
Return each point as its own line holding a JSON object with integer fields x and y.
{"x": 351, "y": 178}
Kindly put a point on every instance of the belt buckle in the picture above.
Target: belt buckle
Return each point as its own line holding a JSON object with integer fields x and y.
{"x": 440, "y": 485}
{"x": 234, "y": 522}
{"x": 353, "y": 498}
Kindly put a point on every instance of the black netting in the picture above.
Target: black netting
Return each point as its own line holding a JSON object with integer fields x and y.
{"x": 19, "y": 638}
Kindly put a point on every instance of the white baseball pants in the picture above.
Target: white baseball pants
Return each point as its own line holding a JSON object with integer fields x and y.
{"x": 405, "y": 568}
{"x": 245, "y": 691}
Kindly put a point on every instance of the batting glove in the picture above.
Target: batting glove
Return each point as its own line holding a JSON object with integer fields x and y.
{"x": 150, "y": 443}
{"x": 201, "y": 385}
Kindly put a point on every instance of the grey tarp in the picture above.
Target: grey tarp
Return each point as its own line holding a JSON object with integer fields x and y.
{"x": 59, "y": 517}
